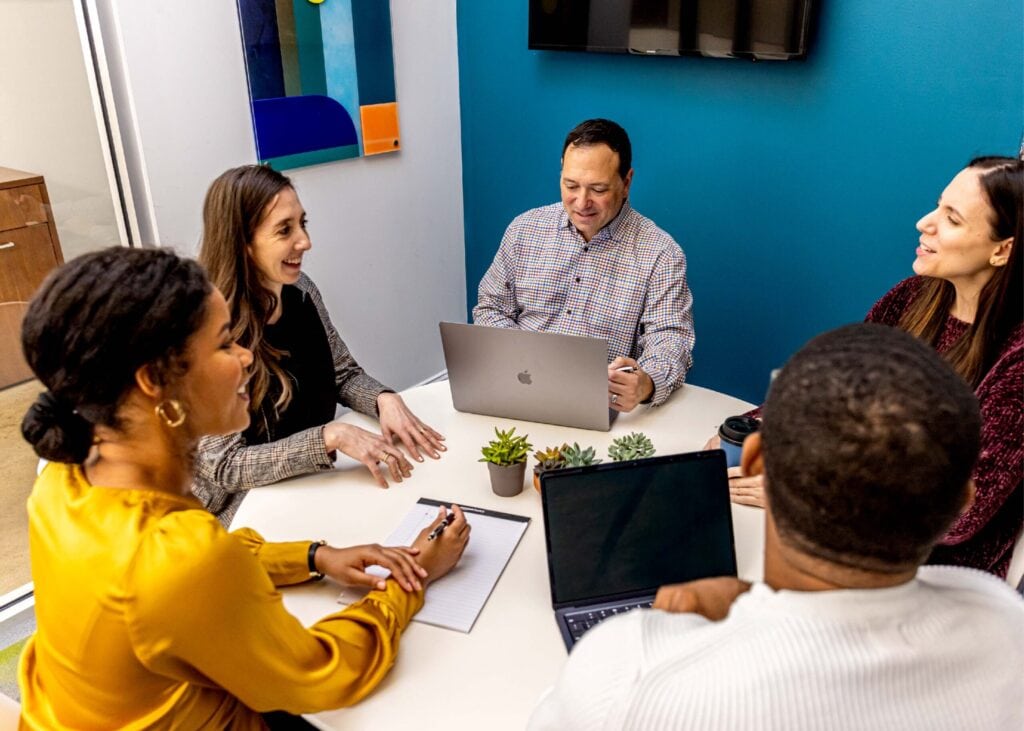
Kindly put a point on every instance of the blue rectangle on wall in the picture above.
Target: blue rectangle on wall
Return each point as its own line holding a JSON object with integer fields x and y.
{"x": 371, "y": 22}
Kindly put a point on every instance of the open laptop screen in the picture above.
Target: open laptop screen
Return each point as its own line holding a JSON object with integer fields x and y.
{"x": 624, "y": 529}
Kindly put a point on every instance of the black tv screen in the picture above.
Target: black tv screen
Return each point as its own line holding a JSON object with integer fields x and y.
{"x": 757, "y": 29}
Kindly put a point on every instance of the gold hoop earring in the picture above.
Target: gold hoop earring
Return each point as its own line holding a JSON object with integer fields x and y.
{"x": 175, "y": 421}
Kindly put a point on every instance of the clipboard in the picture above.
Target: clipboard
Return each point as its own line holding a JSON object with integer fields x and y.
{"x": 456, "y": 600}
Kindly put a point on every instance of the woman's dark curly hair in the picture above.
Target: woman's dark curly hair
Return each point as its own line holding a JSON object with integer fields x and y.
{"x": 94, "y": 322}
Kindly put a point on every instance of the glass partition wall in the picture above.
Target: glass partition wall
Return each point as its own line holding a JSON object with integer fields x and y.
{"x": 61, "y": 195}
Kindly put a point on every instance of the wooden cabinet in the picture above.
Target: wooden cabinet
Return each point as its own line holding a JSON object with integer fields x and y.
{"x": 29, "y": 249}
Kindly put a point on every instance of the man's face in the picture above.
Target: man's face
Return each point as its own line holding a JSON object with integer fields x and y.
{"x": 592, "y": 190}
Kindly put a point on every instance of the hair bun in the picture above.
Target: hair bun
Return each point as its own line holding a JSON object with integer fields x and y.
{"x": 56, "y": 431}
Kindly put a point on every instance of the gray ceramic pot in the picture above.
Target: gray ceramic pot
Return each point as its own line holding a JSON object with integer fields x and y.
{"x": 507, "y": 481}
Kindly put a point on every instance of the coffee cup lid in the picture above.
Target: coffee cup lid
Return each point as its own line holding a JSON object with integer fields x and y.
{"x": 738, "y": 428}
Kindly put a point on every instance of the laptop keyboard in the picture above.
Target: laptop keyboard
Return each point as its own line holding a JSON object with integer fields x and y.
{"x": 580, "y": 622}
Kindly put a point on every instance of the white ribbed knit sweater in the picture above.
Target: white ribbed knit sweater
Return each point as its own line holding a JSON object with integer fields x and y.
{"x": 944, "y": 651}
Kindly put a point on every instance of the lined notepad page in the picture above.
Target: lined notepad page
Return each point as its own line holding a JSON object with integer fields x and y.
{"x": 455, "y": 600}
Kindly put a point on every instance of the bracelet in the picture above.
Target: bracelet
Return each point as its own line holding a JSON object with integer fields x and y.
{"x": 311, "y": 560}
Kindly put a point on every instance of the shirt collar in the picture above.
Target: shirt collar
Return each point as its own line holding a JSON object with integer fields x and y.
{"x": 611, "y": 230}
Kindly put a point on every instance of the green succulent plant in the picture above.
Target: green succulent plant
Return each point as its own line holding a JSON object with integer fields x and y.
{"x": 551, "y": 458}
{"x": 635, "y": 445}
{"x": 507, "y": 449}
{"x": 576, "y": 456}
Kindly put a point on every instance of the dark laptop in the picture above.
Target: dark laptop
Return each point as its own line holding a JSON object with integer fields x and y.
{"x": 616, "y": 532}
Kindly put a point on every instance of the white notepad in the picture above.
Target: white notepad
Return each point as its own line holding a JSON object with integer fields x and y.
{"x": 455, "y": 600}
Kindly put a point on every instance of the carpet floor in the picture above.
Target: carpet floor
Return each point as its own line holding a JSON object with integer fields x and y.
{"x": 16, "y": 476}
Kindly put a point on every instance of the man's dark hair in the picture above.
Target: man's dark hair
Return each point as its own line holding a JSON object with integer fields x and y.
{"x": 93, "y": 323}
{"x": 602, "y": 132}
{"x": 869, "y": 440}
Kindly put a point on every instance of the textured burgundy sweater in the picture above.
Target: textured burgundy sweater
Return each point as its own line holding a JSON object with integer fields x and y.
{"x": 984, "y": 536}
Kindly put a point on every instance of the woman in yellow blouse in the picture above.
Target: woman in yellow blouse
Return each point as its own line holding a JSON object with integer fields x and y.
{"x": 149, "y": 614}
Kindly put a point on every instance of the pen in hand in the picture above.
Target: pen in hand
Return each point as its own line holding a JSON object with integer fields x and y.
{"x": 441, "y": 526}
{"x": 626, "y": 369}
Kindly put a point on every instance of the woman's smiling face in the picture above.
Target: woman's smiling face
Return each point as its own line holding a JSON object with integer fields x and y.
{"x": 280, "y": 240}
{"x": 956, "y": 241}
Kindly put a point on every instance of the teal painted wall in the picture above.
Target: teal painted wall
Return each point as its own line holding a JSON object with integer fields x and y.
{"x": 792, "y": 187}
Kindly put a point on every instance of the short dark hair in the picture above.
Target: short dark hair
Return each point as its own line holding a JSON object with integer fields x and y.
{"x": 94, "y": 322}
{"x": 869, "y": 441}
{"x": 602, "y": 132}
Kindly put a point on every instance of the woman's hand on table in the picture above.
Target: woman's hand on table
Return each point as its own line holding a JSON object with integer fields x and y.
{"x": 398, "y": 423}
{"x": 710, "y": 598}
{"x": 440, "y": 555}
{"x": 742, "y": 490}
{"x": 348, "y": 565}
{"x": 746, "y": 490}
{"x": 369, "y": 448}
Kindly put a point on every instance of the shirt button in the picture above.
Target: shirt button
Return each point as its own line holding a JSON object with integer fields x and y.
{"x": 577, "y": 280}
{"x": 568, "y": 312}
{"x": 586, "y": 248}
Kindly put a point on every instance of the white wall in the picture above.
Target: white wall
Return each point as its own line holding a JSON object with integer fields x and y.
{"x": 47, "y": 121}
{"x": 387, "y": 231}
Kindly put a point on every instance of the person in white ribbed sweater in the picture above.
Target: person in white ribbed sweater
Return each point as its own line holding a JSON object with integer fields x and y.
{"x": 867, "y": 446}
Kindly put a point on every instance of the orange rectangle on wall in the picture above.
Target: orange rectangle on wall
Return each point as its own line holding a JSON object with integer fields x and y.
{"x": 380, "y": 128}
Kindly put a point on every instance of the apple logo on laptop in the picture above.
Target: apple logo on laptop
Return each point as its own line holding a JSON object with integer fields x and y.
{"x": 525, "y": 378}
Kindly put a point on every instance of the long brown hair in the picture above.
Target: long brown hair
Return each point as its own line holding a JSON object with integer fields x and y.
{"x": 1000, "y": 303}
{"x": 233, "y": 209}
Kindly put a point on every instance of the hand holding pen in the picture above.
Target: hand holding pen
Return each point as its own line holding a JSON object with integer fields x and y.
{"x": 628, "y": 384}
{"x": 439, "y": 529}
{"x": 442, "y": 542}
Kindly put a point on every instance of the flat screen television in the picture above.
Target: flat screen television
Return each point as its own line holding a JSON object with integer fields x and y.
{"x": 775, "y": 30}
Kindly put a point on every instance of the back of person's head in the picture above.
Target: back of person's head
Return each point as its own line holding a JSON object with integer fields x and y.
{"x": 869, "y": 439}
{"x": 94, "y": 322}
{"x": 1002, "y": 179}
{"x": 602, "y": 132}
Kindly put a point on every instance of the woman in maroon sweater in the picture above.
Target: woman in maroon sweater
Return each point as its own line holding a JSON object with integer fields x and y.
{"x": 966, "y": 301}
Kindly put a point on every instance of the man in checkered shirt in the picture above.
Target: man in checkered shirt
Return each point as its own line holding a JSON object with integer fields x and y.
{"x": 593, "y": 266}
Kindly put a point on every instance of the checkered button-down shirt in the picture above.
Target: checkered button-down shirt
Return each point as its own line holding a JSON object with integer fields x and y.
{"x": 626, "y": 285}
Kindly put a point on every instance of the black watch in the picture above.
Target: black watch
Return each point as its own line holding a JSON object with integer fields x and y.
{"x": 314, "y": 574}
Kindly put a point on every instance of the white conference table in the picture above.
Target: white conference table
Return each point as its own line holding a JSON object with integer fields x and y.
{"x": 492, "y": 677}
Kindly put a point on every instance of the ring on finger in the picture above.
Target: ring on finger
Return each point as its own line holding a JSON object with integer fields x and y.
{"x": 384, "y": 457}
{"x": 614, "y": 398}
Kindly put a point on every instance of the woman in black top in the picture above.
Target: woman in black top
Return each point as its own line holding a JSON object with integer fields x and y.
{"x": 254, "y": 238}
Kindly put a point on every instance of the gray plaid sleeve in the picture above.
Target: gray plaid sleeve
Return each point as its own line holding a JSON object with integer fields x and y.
{"x": 226, "y": 465}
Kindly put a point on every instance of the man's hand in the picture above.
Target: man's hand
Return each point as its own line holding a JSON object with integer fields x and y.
{"x": 710, "y": 598}
{"x": 397, "y": 422}
{"x": 626, "y": 388}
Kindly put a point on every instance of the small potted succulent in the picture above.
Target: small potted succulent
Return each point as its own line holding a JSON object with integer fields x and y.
{"x": 576, "y": 456}
{"x": 636, "y": 445}
{"x": 547, "y": 459}
{"x": 506, "y": 461}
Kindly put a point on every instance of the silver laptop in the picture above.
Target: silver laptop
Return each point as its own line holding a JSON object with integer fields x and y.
{"x": 617, "y": 531}
{"x": 530, "y": 376}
